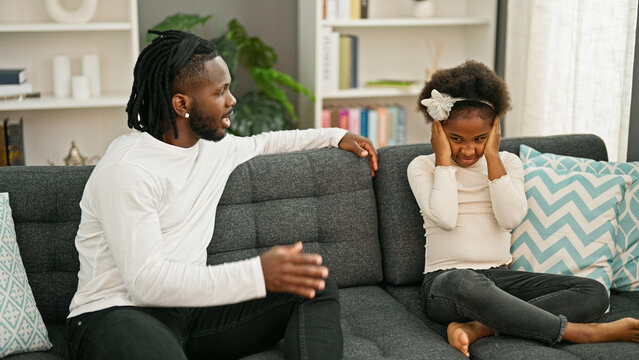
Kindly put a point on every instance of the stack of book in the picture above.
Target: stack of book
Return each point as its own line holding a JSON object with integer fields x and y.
{"x": 345, "y": 9}
{"x": 338, "y": 65}
{"x": 383, "y": 125}
{"x": 11, "y": 142}
{"x": 14, "y": 84}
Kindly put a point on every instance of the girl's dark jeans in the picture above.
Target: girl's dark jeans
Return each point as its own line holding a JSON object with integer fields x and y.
{"x": 310, "y": 328}
{"x": 529, "y": 305}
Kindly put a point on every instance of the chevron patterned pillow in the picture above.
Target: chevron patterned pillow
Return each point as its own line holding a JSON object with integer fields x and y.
{"x": 626, "y": 264}
{"x": 21, "y": 326}
{"x": 570, "y": 225}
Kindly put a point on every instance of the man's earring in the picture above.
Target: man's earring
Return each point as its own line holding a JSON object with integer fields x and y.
{"x": 187, "y": 115}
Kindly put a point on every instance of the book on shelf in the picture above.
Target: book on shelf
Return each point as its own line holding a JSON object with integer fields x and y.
{"x": 329, "y": 71}
{"x": 382, "y": 125}
{"x": 392, "y": 120}
{"x": 330, "y": 9}
{"x": 355, "y": 120}
{"x": 15, "y": 89}
{"x": 363, "y": 9}
{"x": 364, "y": 122}
{"x": 326, "y": 118}
{"x": 400, "y": 126}
{"x": 14, "y": 140}
{"x": 391, "y": 83}
{"x": 343, "y": 119}
{"x": 344, "y": 62}
{"x": 354, "y": 61}
{"x": 344, "y": 9}
{"x": 372, "y": 126}
{"x": 12, "y": 76}
{"x": 348, "y": 49}
{"x": 3, "y": 146}
{"x": 356, "y": 9}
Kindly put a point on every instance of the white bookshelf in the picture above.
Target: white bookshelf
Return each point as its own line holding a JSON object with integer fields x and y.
{"x": 393, "y": 45}
{"x": 31, "y": 39}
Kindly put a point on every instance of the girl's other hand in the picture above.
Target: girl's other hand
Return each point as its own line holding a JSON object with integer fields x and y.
{"x": 494, "y": 137}
{"x": 441, "y": 145}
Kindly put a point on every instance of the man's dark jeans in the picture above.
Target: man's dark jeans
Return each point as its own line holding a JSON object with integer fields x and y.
{"x": 529, "y": 305}
{"x": 310, "y": 328}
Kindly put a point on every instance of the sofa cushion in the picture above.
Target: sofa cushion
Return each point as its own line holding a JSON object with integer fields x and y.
{"x": 45, "y": 203}
{"x": 323, "y": 198}
{"x": 626, "y": 263}
{"x": 401, "y": 233}
{"x": 21, "y": 326}
{"x": 570, "y": 225}
{"x": 377, "y": 326}
{"x": 622, "y": 304}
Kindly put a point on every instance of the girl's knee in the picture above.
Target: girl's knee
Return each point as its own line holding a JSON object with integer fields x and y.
{"x": 457, "y": 283}
{"x": 600, "y": 298}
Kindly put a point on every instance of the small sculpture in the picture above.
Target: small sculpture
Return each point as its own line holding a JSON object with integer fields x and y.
{"x": 74, "y": 157}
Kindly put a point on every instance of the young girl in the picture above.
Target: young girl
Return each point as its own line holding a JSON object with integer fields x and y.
{"x": 471, "y": 196}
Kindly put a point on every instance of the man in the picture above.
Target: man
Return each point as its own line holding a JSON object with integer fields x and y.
{"x": 148, "y": 210}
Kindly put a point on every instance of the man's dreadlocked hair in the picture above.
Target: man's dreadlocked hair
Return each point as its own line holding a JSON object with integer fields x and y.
{"x": 174, "y": 61}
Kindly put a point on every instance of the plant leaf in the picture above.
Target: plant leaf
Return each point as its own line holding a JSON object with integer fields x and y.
{"x": 252, "y": 50}
{"x": 257, "y": 113}
{"x": 179, "y": 21}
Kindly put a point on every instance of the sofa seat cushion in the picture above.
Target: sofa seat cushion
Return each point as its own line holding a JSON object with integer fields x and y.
{"x": 377, "y": 326}
{"x": 622, "y": 304}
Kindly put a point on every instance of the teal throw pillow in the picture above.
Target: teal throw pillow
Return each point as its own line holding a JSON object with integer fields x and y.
{"x": 570, "y": 225}
{"x": 21, "y": 326}
{"x": 626, "y": 263}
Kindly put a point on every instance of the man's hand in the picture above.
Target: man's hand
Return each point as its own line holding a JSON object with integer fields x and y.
{"x": 286, "y": 269}
{"x": 441, "y": 145}
{"x": 360, "y": 146}
{"x": 494, "y": 137}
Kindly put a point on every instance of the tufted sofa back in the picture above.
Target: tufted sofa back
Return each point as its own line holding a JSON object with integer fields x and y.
{"x": 324, "y": 198}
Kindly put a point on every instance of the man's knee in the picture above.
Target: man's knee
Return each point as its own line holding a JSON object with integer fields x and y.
{"x": 330, "y": 291}
{"x": 127, "y": 333}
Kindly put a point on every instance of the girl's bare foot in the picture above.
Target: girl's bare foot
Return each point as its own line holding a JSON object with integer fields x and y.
{"x": 626, "y": 329}
{"x": 460, "y": 336}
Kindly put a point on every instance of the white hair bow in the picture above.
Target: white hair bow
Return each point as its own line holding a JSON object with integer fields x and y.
{"x": 439, "y": 105}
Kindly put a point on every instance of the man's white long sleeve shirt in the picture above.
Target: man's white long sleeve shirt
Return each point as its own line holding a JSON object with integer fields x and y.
{"x": 148, "y": 214}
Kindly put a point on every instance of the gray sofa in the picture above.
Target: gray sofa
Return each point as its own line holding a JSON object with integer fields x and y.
{"x": 368, "y": 230}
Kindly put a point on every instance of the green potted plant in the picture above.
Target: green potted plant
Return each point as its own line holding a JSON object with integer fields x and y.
{"x": 266, "y": 109}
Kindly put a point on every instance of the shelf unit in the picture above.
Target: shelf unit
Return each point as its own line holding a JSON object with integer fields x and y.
{"x": 30, "y": 40}
{"x": 394, "y": 45}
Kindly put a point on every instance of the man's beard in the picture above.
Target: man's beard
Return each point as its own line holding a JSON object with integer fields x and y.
{"x": 201, "y": 125}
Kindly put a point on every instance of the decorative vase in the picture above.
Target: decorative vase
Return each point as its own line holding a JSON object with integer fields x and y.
{"x": 423, "y": 8}
{"x": 83, "y": 13}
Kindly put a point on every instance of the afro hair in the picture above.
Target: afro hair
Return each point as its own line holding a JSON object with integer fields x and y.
{"x": 472, "y": 81}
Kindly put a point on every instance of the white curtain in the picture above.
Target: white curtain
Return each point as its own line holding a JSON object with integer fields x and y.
{"x": 569, "y": 69}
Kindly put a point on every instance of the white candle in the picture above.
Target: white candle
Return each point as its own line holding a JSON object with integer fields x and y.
{"x": 91, "y": 69}
{"x": 61, "y": 76}
{"x": 81, "y": 88}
